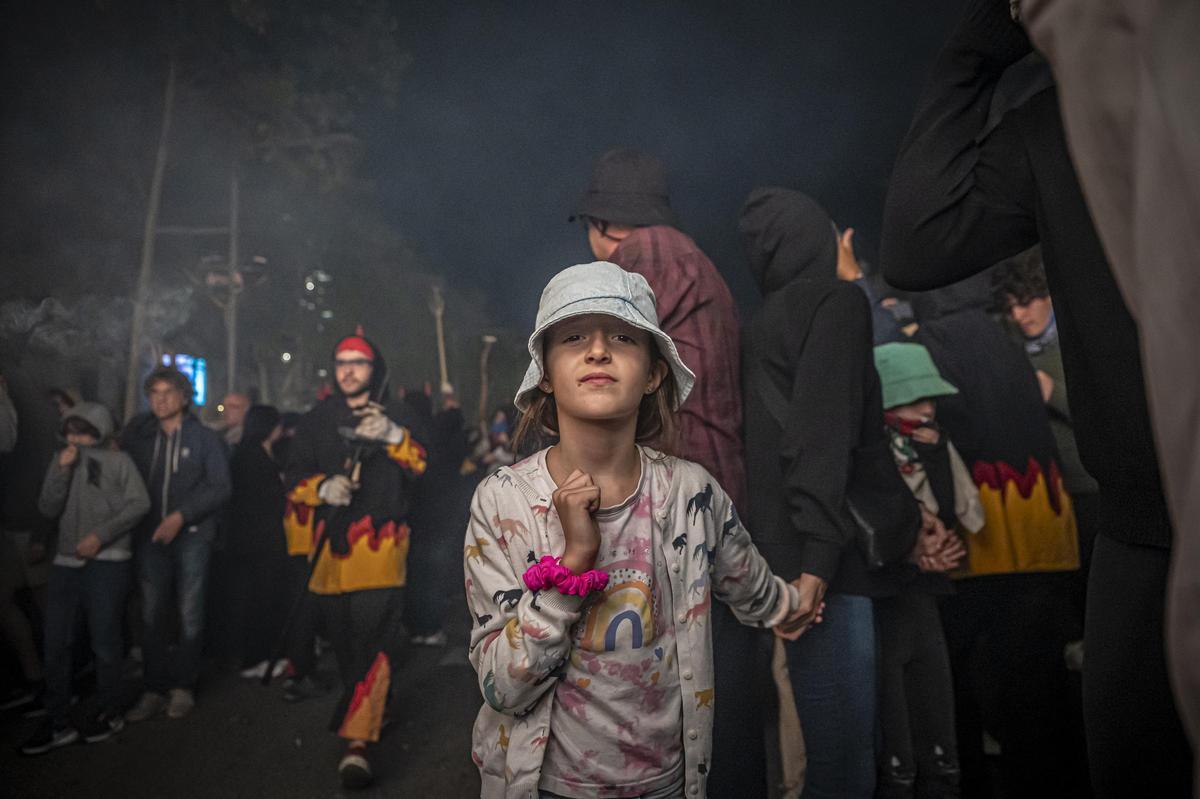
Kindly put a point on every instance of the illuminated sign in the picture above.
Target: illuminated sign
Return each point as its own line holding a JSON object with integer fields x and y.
{"x": 197, "y": 371}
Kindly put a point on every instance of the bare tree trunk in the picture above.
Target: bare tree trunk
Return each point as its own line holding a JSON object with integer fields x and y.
{"x": 149, "y": 233}
{"x": 235, "y": 287}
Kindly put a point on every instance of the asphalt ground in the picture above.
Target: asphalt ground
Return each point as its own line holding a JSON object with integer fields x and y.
{"x": 243, "y": 740}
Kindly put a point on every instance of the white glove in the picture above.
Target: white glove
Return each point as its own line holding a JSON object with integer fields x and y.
{"x": 336, "y": 490}
{"x": 376, "y": 426}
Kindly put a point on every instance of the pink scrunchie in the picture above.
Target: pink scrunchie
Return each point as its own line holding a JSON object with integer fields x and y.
{"x": 549, "y": 572}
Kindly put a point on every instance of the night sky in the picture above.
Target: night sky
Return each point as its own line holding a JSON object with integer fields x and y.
{"x": 502, "y": 113}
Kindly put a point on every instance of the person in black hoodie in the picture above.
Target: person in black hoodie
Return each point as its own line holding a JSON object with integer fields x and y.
{"x": 186, "y": 473}
{"x": 814, "y": 433}
{"x": 965, "y": 195}
{"x": 256, "y": 543}
{"x": 354, "y": 463}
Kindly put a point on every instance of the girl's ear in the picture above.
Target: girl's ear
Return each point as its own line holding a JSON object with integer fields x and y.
{"x": 658, "y": 371}
{"x": 544, "y": 384}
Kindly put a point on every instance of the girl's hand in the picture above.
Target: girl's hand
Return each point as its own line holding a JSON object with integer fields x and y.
{"x": 576, "y": 501}
{"x": 799, "y": 623}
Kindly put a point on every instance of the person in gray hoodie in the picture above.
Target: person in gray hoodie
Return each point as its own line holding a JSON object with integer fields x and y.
{"x": 98, "y": 496}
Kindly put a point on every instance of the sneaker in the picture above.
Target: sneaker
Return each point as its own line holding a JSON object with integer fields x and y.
{"x": 436, "y": 639}
{"x": 18, "y": 697}
{"x": 48, "y": 737}
{"x": 181, "y": 703}
{"x": 149, "y": 706}
{"x": 299, "y": 689}
{"x": 282, "y": 667}
{"x": 256, "y": 671}
{"x": 355, "y": 769}
{"x": 101, "y": 727}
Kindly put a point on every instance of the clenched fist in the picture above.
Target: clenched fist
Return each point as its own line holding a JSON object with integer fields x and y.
{"x": 577, "y": 501}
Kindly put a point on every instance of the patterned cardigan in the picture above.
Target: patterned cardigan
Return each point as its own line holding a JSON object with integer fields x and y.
{"x": 522, "y": 640}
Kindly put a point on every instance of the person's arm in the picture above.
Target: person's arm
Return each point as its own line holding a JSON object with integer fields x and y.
{"x": 133, "y": 505}
{"x": 741, "y": 577}
{"x": 54, "y": 489}
{"x": 519, "y": 639}
{"x": 824, "y": 415}
{"x": 302, "y": 475}
{"x": 214, "y": 487}
{"x": 955, "y": 205}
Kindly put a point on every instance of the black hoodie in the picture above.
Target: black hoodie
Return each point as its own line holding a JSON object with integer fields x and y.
{"x": 812, "y": 343}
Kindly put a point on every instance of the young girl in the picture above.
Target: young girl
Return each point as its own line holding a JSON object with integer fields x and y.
{"x": 591, "y": 565}
{"x": 918, "y": 754}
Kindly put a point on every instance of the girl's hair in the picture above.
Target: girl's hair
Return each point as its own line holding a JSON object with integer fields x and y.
{"x": 75, "y": 425}
{"x": 657, "y": 421}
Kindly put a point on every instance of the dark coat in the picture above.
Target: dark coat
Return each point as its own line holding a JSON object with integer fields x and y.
{"x": 198, "y": 485}
{"x": 812, "y": 340}
{"x": 958, "y": 204}
{"x": 256, "y": 507}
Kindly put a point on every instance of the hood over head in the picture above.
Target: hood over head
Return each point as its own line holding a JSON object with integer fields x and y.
{"x": 361, "y": 345}
{"x": 787, "y": 235}
{"x": 94, "y": 414}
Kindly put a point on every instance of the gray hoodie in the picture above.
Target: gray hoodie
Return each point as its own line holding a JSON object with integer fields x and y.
{"x": 102, "y": 494}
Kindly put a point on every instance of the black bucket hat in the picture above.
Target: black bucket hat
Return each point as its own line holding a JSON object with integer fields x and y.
{"x": 628, "y": 187}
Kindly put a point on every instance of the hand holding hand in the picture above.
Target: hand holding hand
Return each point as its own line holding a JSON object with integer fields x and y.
{"x": 809, "y": 608}
{"x": 89, "y": 547}
{"x": 68, "y": 457}
{"x": 576, "y": 501}
{"x": 168, "y": 528}
{"x": 336, "y": 490}
{"x": 374, "y": 425}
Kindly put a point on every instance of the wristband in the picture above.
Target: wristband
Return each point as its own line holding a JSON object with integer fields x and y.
{"x": 549, "y": 572}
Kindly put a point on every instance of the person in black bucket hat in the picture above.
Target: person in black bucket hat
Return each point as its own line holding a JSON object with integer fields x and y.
{"x": 628, "y": 187}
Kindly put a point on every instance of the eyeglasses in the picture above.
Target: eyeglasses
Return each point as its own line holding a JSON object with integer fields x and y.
{"x": 351, "y": 362}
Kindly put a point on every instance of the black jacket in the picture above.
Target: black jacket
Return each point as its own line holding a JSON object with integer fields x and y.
{"x": 812, "y": 343}
{"x": 256, "y": 507}
{"x": 186, "y": 472}
{"x": 319, "y": 451}
{"x": 957, "y": 205}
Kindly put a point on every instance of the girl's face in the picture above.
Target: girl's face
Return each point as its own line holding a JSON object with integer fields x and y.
{"x": 599, "y": 367}
{"x": 923, "y": 410}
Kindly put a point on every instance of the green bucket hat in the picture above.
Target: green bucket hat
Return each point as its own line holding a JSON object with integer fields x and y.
{"x": 908, "y": 374}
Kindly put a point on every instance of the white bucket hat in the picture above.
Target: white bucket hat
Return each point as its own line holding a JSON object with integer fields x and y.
{"x": 602, "y": 288}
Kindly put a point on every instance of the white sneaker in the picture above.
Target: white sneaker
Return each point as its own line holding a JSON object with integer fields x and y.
{"x": 281, "y": 668}
{"x": 181, "y": 703}
{"x": 149, "y": 706}
{"x": 437, "y": 639}
{"x": 256, "y": 671}
{"x": 355, "y": 769}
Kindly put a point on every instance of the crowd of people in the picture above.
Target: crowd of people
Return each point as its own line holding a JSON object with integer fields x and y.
{"x": 963, "y": 573}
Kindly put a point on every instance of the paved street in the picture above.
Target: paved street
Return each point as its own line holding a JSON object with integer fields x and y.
{"x": 244, "y": 741}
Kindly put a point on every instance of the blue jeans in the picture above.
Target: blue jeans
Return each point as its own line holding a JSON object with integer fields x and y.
{"x": 832, "y": 669}
{"x": 181, "y": 565}
{"x": 98, "y": 588}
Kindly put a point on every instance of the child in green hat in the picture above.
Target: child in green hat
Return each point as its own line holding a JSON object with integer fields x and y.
{"x": 919, "y": 749}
